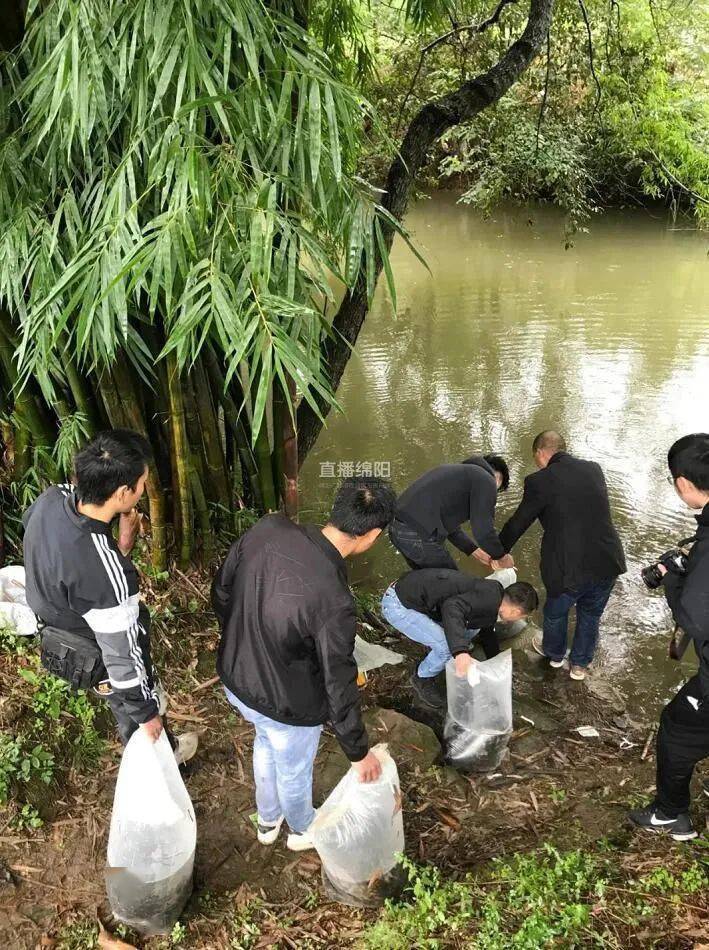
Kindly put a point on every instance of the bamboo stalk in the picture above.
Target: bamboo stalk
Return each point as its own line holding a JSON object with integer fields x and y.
{"x": 262, "y": 450}
{"x": 202, "y": 514}
{"x": 81, "y": 393}
{"x": 180, "y": 461}
{"x": 233, "y": 420}
{"x": 285, "y": 455}
{"x": 123, "y": 412}
{"x": 213, "y": 448}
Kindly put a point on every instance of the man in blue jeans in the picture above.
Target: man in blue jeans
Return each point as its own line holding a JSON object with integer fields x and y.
{"x": 286, "y": 655}
{"x": 445, "y": 610}
{"x": 581, "y": 555}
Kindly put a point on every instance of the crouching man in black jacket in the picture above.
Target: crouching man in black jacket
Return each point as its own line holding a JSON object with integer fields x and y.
{"x": 286, "y": 652}
{"x": 683, "y": 737}
{"x": 445, "y": 609}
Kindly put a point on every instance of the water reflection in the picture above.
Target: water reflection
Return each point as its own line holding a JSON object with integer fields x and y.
{"x": 510, "y": 334}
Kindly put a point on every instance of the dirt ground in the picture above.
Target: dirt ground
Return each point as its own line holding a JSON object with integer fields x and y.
{"x": 556, "y": 786}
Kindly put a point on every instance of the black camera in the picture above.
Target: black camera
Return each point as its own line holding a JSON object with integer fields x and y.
{"x": 675, "y": 560}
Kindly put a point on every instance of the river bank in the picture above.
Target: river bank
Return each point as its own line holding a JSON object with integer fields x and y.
{"x": 557, "y": 791}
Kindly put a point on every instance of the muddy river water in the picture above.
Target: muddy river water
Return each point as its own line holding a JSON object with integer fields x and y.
{"x": 510, "y": 333}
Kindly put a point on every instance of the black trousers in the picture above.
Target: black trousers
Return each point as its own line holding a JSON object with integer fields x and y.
{"x": 127, "y": 726}
{"x": 419, "y": 552}
{"x": 682, "y": 741}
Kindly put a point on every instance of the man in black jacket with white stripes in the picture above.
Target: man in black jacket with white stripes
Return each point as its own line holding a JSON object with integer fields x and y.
{"x": 82, "y": 583}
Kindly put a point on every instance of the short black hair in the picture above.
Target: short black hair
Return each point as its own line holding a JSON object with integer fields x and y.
{"x": 114, "y": 458}
{"x": 550, "y": 441}
{"x": 523, "y": 595}
{"x": 362, "y": 504}
{"x": 689, "y": 457}
{"x": 500, "y": 465}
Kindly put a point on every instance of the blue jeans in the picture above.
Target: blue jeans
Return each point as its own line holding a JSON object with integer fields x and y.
{"x": 590, "y": 602}
{"x": 417, "y": 626}
{"x": 283, "y": 767}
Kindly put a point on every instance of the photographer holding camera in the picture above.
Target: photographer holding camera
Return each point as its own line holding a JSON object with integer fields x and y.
{"x": 683, "y": 737}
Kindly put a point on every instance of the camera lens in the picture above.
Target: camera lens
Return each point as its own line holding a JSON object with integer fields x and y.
{"x": 652, "y": 578}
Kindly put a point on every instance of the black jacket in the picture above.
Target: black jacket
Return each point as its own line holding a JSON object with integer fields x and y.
{"x": 688, "y": 597}
{"x": 457, "y": 601}
{"x": 78, "y": 580}
{"x": 444, "y": 498}
{"x": 580, "y": 544}
{"x": 288, "y": 629}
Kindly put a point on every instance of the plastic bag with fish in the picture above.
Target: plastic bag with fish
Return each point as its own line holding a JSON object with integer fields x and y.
{"x": 151, "y": 844}
{"x": 479, "y": 718}
{"x": 358, "y": 832}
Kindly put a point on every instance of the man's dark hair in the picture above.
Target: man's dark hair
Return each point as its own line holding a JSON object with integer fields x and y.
{"x": 549, "y": 441}
{"x": 114, "y": 458}
{"x": 523, "y": 595}
{"x": 689, "y": 457}
{"x": 500, "y": 465}
{"x": 362, "y": 504}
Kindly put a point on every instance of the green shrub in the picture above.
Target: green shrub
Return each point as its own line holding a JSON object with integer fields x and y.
{"x": 21, "y": 763}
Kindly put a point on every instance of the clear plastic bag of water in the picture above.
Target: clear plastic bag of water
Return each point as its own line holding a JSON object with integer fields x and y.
{"x": 151, "y": 844}
{"x": 358, "y": 832}
{"x": 479, "y": 717}
{"x": 14, "y": 611}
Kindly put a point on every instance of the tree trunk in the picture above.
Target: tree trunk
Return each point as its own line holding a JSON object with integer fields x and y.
{"x": 430, "y": 122}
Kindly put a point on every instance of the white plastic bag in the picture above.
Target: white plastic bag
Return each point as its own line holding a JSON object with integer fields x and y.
{"x": 358, "y": 832}
{"x": 13, "y": 601}
{"x": 152, "y": 840}
{"x": 370, "y": 656}
{"x": 505, "y": 576}
{"x": 479, "y": 719}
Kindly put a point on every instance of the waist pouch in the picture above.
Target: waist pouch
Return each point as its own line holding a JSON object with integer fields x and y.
{"x": 72, "y": 657}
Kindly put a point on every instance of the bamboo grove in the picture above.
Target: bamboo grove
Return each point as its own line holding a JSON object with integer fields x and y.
{"x": 178, "y": 200}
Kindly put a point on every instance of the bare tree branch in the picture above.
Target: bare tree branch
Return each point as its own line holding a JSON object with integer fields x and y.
{"x": 543, "y": 105}
{"x": 430, "y": 122}
{"x": 457, "y": 28}
{"x": 590, "y": 56}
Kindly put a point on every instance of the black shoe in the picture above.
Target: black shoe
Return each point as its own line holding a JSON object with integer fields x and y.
{"x": 654, "y": 819}
{"x": 428, "y": 691}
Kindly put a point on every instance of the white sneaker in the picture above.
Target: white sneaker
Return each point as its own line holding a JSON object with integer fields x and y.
{"x": 268, "y": 831}
{"x": 539, "y": 648}
{"x": 186, "y": 747}
{"x": 299, "y": 841}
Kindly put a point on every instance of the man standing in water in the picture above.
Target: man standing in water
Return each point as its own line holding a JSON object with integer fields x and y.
{"x": 83, "y": 586}
{"x": 286, "y": 651}
{"x": 581, "y": 554}
{"x": 683, "y": 737}
{"x": 433, "y": 508}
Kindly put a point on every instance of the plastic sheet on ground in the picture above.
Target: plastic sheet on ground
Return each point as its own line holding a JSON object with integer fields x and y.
{"x": 358, "y": 832}
{"x": 13, "y": 601}
{"x": 151, "y": 844}
{"x": 370, "y": 656}
{"x": 479, "y": 718}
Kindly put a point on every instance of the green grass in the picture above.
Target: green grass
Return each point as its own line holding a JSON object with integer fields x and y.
{"x": 546, "y": 898}
{"x": 53, "y": 730}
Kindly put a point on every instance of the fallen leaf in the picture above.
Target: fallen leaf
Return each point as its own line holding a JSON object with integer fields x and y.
{"x": 107, "y": 941}
{"x": 448, "y": 818}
